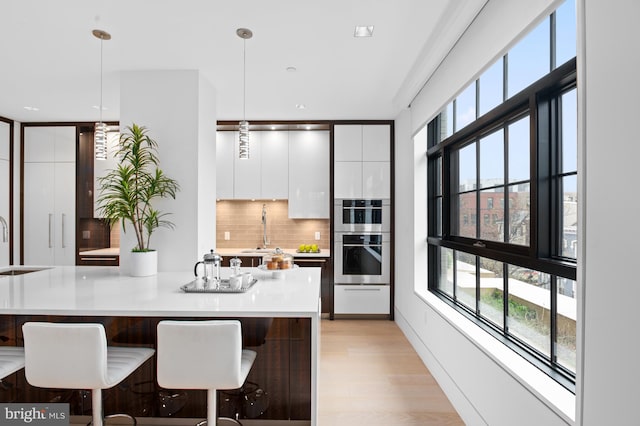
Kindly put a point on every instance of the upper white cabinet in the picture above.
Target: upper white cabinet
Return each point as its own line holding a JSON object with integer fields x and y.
{"x": 347, "y": 178}
{"x": 309, "y": 174}
{"x": 264, "y": 175}
{"x": 225, "y": 161}
{"x": 274, "y": 165}
{"x": 247, "y": 172}
{"x": 376, "y": 178}
{"x": 362, "y": 161}
{"x": 49, "y": 195}
{"x": 347, "y": 143}
{"x": 376, "y": 142}
{"x": 50, "y": 144}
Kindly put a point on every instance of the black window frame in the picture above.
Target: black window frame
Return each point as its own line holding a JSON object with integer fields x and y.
{"x": 540, "y": 102}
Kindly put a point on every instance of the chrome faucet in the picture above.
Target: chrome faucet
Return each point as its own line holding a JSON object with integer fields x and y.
{"x": 265, "y": 242}
{"x": 5, "y": 230}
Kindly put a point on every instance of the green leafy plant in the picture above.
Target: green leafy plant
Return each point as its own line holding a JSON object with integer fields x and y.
{"x": 127, "y": 192}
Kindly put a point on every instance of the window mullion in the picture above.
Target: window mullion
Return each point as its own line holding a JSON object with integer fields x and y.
{"x": 505, "y": 297}
{"x": 554, "y": 320}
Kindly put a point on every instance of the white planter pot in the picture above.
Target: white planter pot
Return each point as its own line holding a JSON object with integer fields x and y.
{"x": 144, "y": 264}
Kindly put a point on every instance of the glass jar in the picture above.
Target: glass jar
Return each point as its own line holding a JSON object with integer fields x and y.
{"x": 235, "y": 264}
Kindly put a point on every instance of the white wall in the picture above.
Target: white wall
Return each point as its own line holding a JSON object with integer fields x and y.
{"x": 612, "y": 292}
{"x": 481, "y": 386}
{"x": 178, "y": 107}
{"x": 206, "y": 167}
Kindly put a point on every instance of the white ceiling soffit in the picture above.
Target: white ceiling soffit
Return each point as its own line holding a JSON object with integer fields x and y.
{"x": 52, "y": 61}
{"x": 451, "y": 25}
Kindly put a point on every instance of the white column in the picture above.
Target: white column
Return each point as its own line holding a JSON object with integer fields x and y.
{"x": 179, "y": 109}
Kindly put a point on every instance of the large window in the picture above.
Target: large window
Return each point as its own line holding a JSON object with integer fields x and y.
{"x": 502, "y": 186}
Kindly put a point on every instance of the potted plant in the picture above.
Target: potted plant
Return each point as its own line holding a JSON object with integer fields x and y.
{"x": 127, "y": 193}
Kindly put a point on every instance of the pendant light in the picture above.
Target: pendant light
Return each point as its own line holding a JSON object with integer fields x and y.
{"x": 243, "y": 143}
{"x": 100, "y": 131}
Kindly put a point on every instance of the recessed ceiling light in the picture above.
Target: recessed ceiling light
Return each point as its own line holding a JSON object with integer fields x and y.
{"x": 292, "y": 69}
{"x": 301, "y": 106}
{"x": 363, "y": 31}
{"x": 104, "y": 108}
{"x": 273, "y": 127}
{"x": 31, "y": 108}
{"x": 308, "y": 127}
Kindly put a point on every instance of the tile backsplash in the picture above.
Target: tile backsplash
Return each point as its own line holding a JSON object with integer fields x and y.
{"x": 243, "y": 221}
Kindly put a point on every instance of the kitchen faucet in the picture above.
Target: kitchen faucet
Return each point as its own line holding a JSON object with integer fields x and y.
{"x": 5, "y": 229}
{"x": 265, "y": 242}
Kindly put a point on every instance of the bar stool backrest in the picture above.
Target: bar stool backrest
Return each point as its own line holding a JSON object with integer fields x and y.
{"x": 200, "y": 354}
{"x": 66, "y": 355}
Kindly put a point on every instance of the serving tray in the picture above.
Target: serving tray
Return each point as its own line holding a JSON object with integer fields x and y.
{"x": 223, "y": 288}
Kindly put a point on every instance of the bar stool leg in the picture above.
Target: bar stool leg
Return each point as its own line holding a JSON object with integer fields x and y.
{"x": 212, "y": 407}
{"x": 96, "y": 404}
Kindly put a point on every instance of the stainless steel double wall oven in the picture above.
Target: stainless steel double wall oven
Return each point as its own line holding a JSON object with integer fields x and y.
{"x": 362, "y": 241}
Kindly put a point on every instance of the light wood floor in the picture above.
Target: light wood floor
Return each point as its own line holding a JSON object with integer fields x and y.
{"x": 370, "y": 375}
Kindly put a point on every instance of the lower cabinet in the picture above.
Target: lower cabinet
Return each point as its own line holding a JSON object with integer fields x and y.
{"x": 247, "y": 261}
{"x": 326, "y": 282}
{"x": 362, "y": 299}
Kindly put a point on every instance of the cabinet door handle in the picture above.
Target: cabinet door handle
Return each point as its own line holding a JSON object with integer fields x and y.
{"x": 361, "y": 289}
{"x": 99, "y": 259}
{"x": 300, "y": 260}
{"x": 63, "y": 217}
{"x": 50, "y": 229}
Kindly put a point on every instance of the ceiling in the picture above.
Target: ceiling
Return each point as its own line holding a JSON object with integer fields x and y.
{"x": 51, "y": 61}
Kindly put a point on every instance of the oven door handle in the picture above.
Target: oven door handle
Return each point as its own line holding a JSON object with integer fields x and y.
{"x": 361, "y": 245}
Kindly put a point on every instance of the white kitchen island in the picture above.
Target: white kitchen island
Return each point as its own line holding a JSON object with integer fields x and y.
{"x": 101, "y": 292}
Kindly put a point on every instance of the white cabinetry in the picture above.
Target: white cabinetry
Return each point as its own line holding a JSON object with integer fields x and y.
{"x": 362, "y": 299}
{"x": 362, "y": 155}
{"x": 247, "y": 172}
{"x": 274, "y": 165}
{"x": 264, "y": 175}
{"x": 225, "y": 161}
{"x": 49, "y": 195}
{"x": 309, "y": 174}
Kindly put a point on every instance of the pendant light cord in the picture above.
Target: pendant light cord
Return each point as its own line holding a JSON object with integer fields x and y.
{"x": 244, "y": 79}
{"x": 101, "y": 40}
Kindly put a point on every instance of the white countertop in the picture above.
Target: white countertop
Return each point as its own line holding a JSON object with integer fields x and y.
{"x": 109, "y": 251}
{"x": 101, "y": 290}
{"x": 259, "y": 253}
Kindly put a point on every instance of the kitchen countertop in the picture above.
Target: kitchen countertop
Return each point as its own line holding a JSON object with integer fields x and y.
{"x": 101, "y": 291}
{"x": 91, "y": 290}
{"x": 261, "y": 252}
{"x": 109, "y": 251}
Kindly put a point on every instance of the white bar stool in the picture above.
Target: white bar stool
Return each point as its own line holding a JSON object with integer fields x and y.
{"x": 76, "y": 356}
{"x": 11, "y": 360}
{"x": 203, "y": 355}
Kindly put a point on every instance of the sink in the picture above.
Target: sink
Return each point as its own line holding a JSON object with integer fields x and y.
{"x": 12, "y": 272}
{"x": 257, "y": 250}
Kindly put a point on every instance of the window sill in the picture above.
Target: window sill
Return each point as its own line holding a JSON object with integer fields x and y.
{"x": 547, "y": 390}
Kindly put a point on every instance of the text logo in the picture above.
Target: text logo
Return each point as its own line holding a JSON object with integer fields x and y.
{"x": 34, "y": 414}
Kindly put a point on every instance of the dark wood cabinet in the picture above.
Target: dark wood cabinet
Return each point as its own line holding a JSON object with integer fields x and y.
{"x": 247, "y": 261}
{"x": 277, "y": 390}
{"x": 326, "y": 279}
